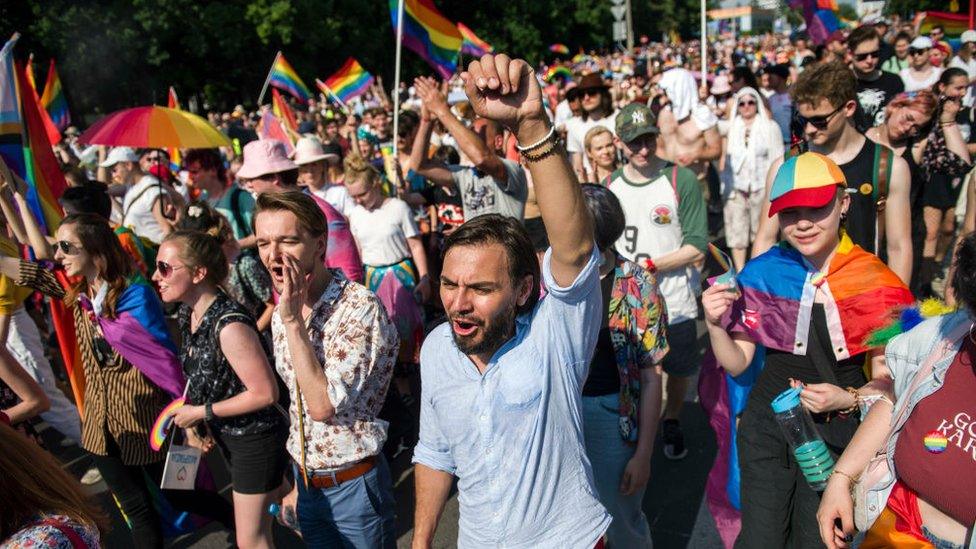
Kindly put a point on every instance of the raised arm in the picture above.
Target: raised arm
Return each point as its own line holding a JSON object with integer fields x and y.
{"x": 481, "y": 155}
{"x": 434, "y": 171}
{"x": 505, "y": 90}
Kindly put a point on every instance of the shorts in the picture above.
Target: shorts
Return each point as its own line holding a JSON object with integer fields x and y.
{"x": 684, "y": 355}
{"x": 941, "y": 191}
{"x": 741, "y": 213}
{"x": 537, "y": 233}
{"x": 257, "y": 461}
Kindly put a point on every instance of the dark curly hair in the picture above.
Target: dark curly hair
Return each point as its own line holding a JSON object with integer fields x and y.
{"x": 964, "y": 281}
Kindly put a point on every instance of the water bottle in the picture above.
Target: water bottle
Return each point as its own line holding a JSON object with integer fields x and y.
{"x": 287, "y": 518}
{"x": 809, "y": 449}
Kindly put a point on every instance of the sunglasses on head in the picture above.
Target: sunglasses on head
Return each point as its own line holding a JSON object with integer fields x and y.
{"x": 67, "y": 248}
{"x": 863, "y": 56}
{"x": 819, "y": 122}
{"x": 165, "y": 269}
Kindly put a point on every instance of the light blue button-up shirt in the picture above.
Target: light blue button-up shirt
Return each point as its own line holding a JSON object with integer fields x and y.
{"x": 514, "y": 436}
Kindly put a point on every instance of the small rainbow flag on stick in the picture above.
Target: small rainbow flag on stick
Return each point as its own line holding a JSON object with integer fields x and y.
{"x": 281, "y": 109}
{"x": 348, "y": 82}
{"x": 473, "y": 45}
{"x": 429, "y": 34}
{"x": 284, "y": 77}
{"x": 175, "y": 159}
{"x": 54, "y": 101}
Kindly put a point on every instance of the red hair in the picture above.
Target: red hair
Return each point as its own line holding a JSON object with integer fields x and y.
{"x": 923, "y": 101}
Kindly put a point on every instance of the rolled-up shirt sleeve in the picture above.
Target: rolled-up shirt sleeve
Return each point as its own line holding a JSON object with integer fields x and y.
{"x": 573, "y": 313}
{"x": 432, "y": 449}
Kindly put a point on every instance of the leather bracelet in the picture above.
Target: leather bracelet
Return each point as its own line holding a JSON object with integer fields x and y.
{"x": 208, "y": 414}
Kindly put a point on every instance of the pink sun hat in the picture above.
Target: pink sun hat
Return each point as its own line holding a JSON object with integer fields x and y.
{"x": 263, "y": 157}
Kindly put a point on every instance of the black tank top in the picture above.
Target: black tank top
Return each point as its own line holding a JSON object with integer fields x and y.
{"x": 862, "y": 216}
{"x": 918, "y": 180}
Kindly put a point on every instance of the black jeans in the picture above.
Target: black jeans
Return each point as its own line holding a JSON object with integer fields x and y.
{"x": 128, "y": 483}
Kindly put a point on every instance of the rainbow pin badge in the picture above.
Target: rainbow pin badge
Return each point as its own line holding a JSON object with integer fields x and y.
{"x": 935, "y": 442}
{"x": 160, "y": 428}
{"x": 724, "y": 261}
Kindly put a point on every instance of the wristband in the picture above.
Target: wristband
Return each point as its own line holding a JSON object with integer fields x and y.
{"x": 208, "y": 411}
{"x": 537, "y": 144}
{"x": 649, "y": 265}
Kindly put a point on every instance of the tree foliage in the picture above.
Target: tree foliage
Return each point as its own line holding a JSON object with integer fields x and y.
{"x": 118, "y": 53}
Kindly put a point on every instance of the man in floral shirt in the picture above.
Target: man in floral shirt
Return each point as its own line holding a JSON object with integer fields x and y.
{"x": 335, "y": 349}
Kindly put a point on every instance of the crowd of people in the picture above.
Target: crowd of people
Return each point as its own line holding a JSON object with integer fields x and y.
{"x": 505, "y": 287}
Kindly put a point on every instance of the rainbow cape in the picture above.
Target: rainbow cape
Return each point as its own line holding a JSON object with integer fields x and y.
{"x": 473, "y": 45}
{"x": 777, "y": 292}
{"x": 349, "y": 81}
{"x": 284, "y": 77}
{"x": 429, "y": 34}
{"x": 54, "y": 101}
{"x": 139, "y": 333}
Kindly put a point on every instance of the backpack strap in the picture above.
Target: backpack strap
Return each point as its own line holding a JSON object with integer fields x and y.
{"x": 883, "y": 158}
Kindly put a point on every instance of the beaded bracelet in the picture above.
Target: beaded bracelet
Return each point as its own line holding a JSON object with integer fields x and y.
{"x": 537, "y": 144}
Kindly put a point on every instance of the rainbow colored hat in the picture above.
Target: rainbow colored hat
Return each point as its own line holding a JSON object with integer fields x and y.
{"x": 808, "y": 180}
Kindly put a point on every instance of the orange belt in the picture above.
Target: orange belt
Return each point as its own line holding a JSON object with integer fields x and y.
{"x": 331, "y": 480}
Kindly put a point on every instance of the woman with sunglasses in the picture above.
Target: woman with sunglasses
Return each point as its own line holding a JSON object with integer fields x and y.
{"x": 920, "y": 73}
{"x": 809, "y": 302}
{"x": 231, "y": 389}
{"x": 753, "y": 143}
{"x": 130, "y": 365}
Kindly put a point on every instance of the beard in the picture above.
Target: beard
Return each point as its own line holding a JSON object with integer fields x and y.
{"x": 494, "y": 333}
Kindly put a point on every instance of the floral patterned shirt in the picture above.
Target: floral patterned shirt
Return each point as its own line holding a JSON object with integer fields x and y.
{"x": 638, "y": 321}
{"x": 356, "y": 343}
{"x": 54, "y": 532}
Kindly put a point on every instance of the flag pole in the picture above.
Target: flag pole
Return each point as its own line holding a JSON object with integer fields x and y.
{"x": 264, "y": 88}
{"x": 704, "y": 45}
{"x": 323, "y": 86}
{"x": 396, "y": 77}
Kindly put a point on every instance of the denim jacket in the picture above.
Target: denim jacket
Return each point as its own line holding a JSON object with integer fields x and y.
{"x": 904, "y": 356}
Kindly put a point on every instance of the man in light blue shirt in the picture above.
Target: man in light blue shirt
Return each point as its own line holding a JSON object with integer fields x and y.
{"x": 501, "y": 404}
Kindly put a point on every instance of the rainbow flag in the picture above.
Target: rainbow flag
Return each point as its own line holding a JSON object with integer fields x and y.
{"x": 777, "y": 291}
{"x": 271, "y": 127}
{"x": 54, "y": 101}
{"x": 30, "y": 72}
{"x": 429, "y": 34}
{"x": 820, "y": 17}
{"x": 561, "y": 49}
{"x": 284, "y": 113}
{"x": 953, "y": 23}
{"x": 473, "y": 45}
{"x": 175, "y": 160}
{"x": 349, "y": 81}
{"x": 558, "y": 71}
{"x": 284, "y": 77}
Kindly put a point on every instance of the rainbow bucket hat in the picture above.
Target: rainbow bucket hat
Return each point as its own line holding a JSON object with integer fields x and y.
{"x": 808, "y": 180}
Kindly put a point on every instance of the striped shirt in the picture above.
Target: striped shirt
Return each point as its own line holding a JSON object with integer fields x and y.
{"x": 121, "y": 404}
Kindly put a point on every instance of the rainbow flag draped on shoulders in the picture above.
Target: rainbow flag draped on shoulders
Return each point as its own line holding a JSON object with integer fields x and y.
{"x": 139, "y": 333}
{"x": 349, "y": 81}
{"x": 777, "y": 296}
{"x": 429, "y": 34}
{"x": 284, "y": 77}
{"x": 54, "y": 101}
{"x": 473, "y": 45}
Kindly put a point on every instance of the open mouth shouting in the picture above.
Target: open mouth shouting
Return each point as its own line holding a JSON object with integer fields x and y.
{"x": 464, "y": 327}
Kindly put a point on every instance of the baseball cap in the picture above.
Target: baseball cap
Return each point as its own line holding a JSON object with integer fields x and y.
{"x": 809, "y": 180}
{"x": 635, "y": 120}
{"x": 120, "y": 154}
{"x": 921, "y": 43}
{"x": 968, "y": 36}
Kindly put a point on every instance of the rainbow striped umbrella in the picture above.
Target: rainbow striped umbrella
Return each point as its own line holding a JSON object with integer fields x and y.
{"x": 154, "y": 127}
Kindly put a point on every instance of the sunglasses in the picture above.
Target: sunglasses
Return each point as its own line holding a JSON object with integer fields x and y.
{"x": 590, "y": 92}
{"x": 747, "y": 103}
{"x": 863, "y": 56}
{"x": 165, "y": 269}
{"x": 819, "y": 122}
{"x": 913, "y": 51}
{"x": 67, "y": 248}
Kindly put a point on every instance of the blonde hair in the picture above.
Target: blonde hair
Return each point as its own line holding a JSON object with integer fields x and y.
{"x": 310, "y": 216}
{"x": 356, "y": 168}
{"x": 593, "y": 133}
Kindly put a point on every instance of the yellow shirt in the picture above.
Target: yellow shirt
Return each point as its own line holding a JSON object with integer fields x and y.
{"x": 12, "y": 296}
